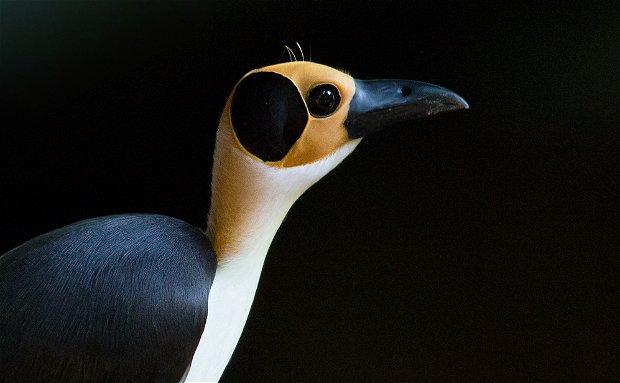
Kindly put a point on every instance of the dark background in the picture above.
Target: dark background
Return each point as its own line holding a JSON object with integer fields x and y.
{"x": 475, "y": 246}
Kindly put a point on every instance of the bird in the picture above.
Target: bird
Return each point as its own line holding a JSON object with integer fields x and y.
{"x": 150, "y": 298}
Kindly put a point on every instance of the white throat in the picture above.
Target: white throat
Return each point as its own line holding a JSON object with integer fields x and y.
{"x": 248, "y": 203}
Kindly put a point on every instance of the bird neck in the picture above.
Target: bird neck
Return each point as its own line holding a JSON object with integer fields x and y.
{"x": 249, "y": 200}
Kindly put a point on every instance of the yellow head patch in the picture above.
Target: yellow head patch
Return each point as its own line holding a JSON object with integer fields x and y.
{"x": 321, "y": 136}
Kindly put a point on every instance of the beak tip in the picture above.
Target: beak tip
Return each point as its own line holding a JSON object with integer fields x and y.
{"x": 457, "y": 102}
{"x": 464, "y": 104}
{"x": 450, "y": 102}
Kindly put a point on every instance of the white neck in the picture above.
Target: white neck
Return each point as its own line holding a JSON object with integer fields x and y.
{"x": 249, "y": 201}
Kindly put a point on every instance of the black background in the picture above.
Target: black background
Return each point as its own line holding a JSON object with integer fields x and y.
{"x": 475, "y": 246}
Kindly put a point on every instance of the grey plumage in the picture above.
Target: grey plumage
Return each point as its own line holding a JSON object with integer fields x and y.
{"x": 111, "y": 299}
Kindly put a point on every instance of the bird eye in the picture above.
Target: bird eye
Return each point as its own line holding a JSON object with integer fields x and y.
{"x": 323, "y": 100}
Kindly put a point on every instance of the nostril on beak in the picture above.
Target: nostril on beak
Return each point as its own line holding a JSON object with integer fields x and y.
{"x": 405, "y": 90}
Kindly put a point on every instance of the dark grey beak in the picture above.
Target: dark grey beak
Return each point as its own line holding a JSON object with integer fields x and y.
{"x": 377, "y": 104}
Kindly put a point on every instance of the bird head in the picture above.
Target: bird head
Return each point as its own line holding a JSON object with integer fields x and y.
{"x": 297, "y": 113}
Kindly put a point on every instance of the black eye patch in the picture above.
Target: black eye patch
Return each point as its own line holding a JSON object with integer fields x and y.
{"x": 268, "y": 115}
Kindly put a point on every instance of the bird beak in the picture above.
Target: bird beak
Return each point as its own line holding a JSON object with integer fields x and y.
{"x": 377, "y": 104}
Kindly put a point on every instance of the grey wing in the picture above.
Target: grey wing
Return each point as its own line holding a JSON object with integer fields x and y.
{"x": 111, "y": 299}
